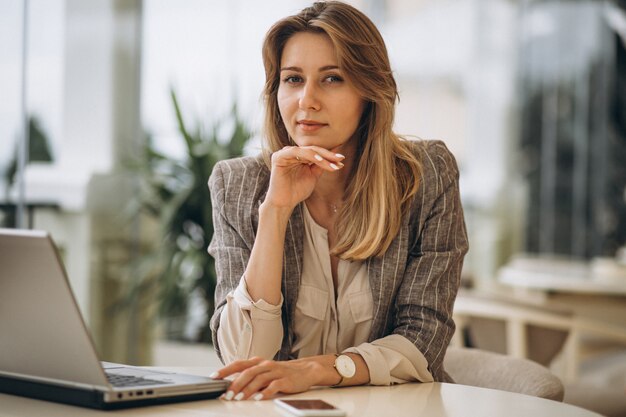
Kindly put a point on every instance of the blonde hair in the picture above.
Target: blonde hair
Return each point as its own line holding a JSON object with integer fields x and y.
{"x": 386, "y": 172}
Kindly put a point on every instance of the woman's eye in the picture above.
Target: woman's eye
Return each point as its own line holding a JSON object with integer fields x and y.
{"x": 333, "y": 79}
{"x": 292, "y": 79}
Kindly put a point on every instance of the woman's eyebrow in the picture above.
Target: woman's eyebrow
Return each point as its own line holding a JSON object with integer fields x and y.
{"x": 298, "y": 69}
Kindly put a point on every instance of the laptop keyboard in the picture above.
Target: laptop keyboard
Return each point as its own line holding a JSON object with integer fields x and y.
{"x": 131, "y": 381}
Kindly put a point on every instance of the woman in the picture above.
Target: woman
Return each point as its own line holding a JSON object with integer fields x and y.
{"x": 338, "y": 253}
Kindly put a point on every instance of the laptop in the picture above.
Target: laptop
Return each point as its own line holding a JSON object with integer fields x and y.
{"x": 46, "y": 351}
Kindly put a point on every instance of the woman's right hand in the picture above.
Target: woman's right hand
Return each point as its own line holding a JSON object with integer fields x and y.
{"x": 295, "y": 172}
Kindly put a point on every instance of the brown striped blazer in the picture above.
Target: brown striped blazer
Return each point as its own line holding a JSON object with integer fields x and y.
{"x": 414, "y": 284}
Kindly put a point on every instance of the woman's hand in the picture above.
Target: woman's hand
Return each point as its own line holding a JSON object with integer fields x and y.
{"x": 262, "y": 379}
{"x": 295, "y": 171}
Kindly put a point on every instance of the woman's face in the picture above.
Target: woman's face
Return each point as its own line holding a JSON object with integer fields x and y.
{"x": 318, "y": 104}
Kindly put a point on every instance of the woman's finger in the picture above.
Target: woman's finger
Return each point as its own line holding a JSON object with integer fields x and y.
{"x": 244, "y": 377}
{"x": 275, "y": 387}
{"x": 237, "y": 366}
{"x": 322, "y": 157}
{"x": 309, "y": 155}
{"x": 318, "y": 154}
{"x": 259, "y": 382}
{"x": 330, "y": 155}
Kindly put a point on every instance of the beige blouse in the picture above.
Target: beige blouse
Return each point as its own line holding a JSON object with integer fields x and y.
{"x": 322, "y": 326}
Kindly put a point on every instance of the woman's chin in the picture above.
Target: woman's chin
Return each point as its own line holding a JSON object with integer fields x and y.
{"x": 310, "y": 141}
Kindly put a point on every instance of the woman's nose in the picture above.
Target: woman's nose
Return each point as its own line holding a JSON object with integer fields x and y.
{"x": 309, "y": 99}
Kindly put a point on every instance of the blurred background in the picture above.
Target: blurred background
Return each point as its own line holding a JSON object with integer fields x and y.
{"x": 113, "y": 112}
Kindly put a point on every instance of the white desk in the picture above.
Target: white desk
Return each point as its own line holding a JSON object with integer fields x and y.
{"x": 598, "y": 304}
{"x": 560, "y": 275}
{"x": 410, "y": 400}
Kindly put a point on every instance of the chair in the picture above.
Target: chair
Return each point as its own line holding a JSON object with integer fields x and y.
{"x": 484, "y": 369}
{"x": 552, "y": 336}
{"x": 503, "y": 324}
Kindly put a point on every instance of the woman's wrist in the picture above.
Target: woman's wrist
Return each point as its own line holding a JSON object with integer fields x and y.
{"x": 272, "y": 211}
{"x": 322, "y": 370}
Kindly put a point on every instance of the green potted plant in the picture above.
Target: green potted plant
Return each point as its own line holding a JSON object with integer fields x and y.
{"x": 174, "y": 192}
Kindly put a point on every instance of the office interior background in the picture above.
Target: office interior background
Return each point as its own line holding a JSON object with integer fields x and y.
{"x": 113, "y": 112}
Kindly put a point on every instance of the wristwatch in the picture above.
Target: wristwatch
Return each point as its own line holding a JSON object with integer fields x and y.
{"x": 345, "y": 367}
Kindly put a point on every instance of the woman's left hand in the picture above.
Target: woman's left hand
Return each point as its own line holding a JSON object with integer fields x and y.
{"x": 261, "y": 379}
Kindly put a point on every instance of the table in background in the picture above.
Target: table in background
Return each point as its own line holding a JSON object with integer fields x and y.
{"x": 406, "y": 400}
{"x": 594, "y": 293}
{"x": 598, "y": 303}
{"x": 562, "y": 275}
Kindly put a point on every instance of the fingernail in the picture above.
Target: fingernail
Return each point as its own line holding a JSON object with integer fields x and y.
{"x": 257, "y": 397}
{"x": 214, "y": 375}
{"x": 229, "y": 395}
{"x": 338, "y": 155}
{"x": 340, "y": 164}
{"x": 319, "y": 158}
{"x": 239, "y": 396}
{"x": 333, "y": 166}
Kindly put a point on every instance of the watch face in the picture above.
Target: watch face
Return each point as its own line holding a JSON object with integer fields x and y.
{"x": 345, "y": 366}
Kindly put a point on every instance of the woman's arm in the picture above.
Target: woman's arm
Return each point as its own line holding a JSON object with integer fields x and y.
{"x": 241, "y": 328}
{"x": 261, "y": 379}
{"x": 294, "y": 174}
{"x": 393, "y": 360}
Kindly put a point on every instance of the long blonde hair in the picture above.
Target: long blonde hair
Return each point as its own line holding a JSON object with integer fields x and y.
{"x": 386, "y": 172}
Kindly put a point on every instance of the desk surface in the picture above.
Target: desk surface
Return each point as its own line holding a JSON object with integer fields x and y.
{"x": 414, "y": 400}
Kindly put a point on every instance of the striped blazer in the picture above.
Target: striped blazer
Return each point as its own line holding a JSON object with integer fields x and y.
{"x": 414, "y": 284}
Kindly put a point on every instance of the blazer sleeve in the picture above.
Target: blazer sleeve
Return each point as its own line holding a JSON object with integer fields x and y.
{"x": 237, "y": 323}
{"x": 431, "y": 279}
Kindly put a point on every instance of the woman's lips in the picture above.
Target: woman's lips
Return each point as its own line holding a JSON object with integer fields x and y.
{"x": 309, "y": 126}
